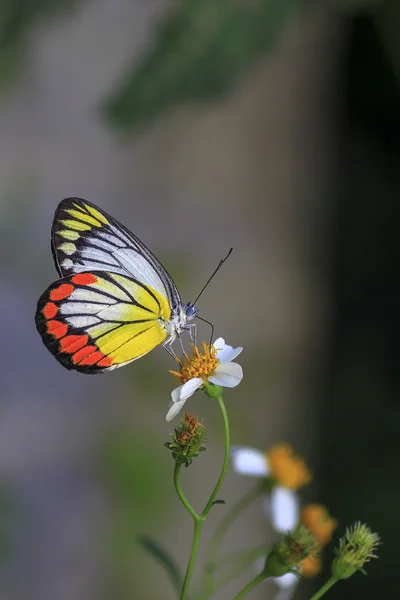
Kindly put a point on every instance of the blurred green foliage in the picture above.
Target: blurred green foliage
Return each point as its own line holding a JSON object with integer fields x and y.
{"x": 17, "y": 19}
{"x": 135, "y": 480}
{"x": 198, "y": 52}
{"x": 163, "y": 556}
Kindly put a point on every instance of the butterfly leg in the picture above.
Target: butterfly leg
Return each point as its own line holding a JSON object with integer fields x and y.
{"x": 182, "y": 348}
{"x": 167, "y": 345}
{"x": 192, "y": 329}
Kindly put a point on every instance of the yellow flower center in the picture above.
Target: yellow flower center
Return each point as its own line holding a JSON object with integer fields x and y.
{"x": 310, "y": 566}
{"x": 288, "y": 470}
{"x": 200, "y": 364}
{"x": 318, "y": 520}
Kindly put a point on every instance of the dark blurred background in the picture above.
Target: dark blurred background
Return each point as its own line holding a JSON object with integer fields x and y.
{"x": 269, "y": 125}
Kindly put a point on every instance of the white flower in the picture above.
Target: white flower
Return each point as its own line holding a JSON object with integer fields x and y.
{"x": 222, "y": 372}
{"x": 287, "y": 584}
{"x": 282, "y": 505}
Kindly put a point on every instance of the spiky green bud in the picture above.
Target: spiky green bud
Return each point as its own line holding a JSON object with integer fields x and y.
{"x": 287, "y": 554}
{"x": 187, "y": 440}
{"x": 356, "y": 548}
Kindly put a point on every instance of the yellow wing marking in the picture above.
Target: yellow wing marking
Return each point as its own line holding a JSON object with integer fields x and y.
{"x": 152, "y": 300}
{"x": 67, "y": 234}
{"x": 131, "y": 341}
{"x": 126, "y": 313}
{"x": 82, "y": 216}
{"x": 97, "y": 214}
{"x": 111, "y": 288}
{"x": 75, "y": 225}
{"x": 67, "y": 248}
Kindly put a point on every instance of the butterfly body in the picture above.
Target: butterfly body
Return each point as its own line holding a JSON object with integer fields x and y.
{"x": 114, "y": 302}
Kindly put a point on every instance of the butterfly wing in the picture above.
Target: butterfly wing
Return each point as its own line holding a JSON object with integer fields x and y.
{"x": 85, "y": 238}
{"x": 98, "y": 321}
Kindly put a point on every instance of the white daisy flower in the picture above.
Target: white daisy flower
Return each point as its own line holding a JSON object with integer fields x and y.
{"x": 214, "y": 364}
{"x": 288, "y": 471}
{"x": 288, "y": 583}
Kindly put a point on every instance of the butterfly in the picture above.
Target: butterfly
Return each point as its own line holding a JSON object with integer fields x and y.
{"x": 115, "y": 302}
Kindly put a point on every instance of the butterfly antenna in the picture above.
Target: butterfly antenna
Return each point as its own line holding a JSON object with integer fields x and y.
{"x": 208, "y": 323}
{"x": 221, "y": 262}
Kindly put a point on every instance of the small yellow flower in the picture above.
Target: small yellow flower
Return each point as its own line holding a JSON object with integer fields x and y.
{"x": 310, "y": 566}
{"x": 214, "y": 365}
{"x": 318, "y": 520}
{"x": 285, "y": 471}
{"x": 288, "y": 469}
{"x": 197, "y": 365}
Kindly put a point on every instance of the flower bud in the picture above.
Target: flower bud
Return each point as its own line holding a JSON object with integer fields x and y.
{"x": 286, "y": 556}
{"x": 356, "y": 548}
{"x": 187, "y": 440}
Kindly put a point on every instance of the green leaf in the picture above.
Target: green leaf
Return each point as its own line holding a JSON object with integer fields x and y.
{"x": 200, "y": 51}
{"x": 17, "y": 20}
{"x": 162, "y": 556}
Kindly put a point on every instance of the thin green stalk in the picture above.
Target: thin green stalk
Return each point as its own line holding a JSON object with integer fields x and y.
{"x": 199, "y": 519}
{"x": 227, "y": 521}
{"x": 198, "y": 525}
{"x": 248, "y": 559}
{"x": 226, "y": 460}
{"x": 250, "y": 586}
{"x": 327, "y": 586}
{"x": 238, "y": 556}
{"x": 181, "y": 495}
{"x": 220, "y": 532}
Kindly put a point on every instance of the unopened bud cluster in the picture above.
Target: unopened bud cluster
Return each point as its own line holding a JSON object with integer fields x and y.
{"x": 286, "y": 555}
{"x": 356, "y": 548}
{"x": 187, "y": 440}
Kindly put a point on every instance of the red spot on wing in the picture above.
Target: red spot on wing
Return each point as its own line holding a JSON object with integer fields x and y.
{"x": 72, "y": 343}
{"x": 105, "y": 362}
{"x": 84, "y": 279}
{"x": 83, "y": 353}
{"x": 92, "y": 358}
{"x": 57, "y": 329}
{"x": 50, "y": 310}
{"x": 62, "y": 291}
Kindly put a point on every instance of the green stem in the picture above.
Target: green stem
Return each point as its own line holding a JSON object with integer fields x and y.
{"x": 181, "y": 495}
{"x": 250, "y": 586}
{"x": 327, "y": 586}
{"x": 248, "y": 559}
{"x": 237, "y": 557}
{"x": 198, "y": 525}
{"x": 226, "y": 460}
{"x": 220, "y": 532}
{"x": 199, "y": 519}
{"x": 227, "y": 521}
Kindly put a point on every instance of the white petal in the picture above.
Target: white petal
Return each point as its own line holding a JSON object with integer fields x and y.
{"x": 287, "y": 581}
{"x": 176, "y": 393}
{"x": 174, "y": 409}
{"x": 189, "y": 388}
{"x": 219, "y": 344}
{"x": 227, "y": 375}
{"x": 284, "y": 509}
{"x": 227, "y": 354}
{"x": 249, "y": 461}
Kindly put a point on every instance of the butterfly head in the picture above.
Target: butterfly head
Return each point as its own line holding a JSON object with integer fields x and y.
{"x": 190, "y": 310}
